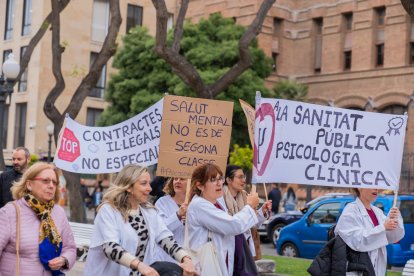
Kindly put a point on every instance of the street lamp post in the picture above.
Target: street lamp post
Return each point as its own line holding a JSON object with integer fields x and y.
{"x": 49, "y": 129}
{"x": 10, "y": 70}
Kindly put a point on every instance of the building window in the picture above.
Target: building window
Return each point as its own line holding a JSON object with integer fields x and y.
{"x": 5, "y": 125}
{"x": 92, "y": 116}
{"x": 6, "y": 53}
{"x": 27, "y": 17}
{"x": 134, "y": 17}
{"x": 395, "y": 109}
{"x": 277, "y": 27}
{"x": 380, "y": 55}
{"x": 348, "y": 20}
{"x": 99, "y": 90}
{"x": 274, "y": 59}
{"x": 20, "y": 125}
{"x": 100, "y": 20}
{"x": 347, "y": 60}
{"x": 380, "y": 16}
{"x": 23, "y": 78}
{"x": 8, "y": 30}
{"x": 318, "y": 26}
{"x": 411, "y": 52}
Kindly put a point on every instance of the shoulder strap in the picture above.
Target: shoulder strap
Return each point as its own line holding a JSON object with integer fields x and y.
{"x": 17, "y": 237}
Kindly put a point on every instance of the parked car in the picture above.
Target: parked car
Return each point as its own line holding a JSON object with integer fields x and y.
{"x": 306, "y": 237}
{"x": 269, "y": 230}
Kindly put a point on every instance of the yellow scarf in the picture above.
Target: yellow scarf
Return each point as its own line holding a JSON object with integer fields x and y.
{"x": 43, "y": 211}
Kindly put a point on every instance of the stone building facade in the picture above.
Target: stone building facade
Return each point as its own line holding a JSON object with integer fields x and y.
{"x": 356, "y": 54}
{"x": 83, "y": 28}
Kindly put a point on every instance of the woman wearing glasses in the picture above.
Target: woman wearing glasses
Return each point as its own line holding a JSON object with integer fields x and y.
{"x": 235, "y": 197}
{"x": 172, "y": 210}
{"x": 128, "y": 232}
{"x": 207, "y": 212}
{"x": 46, "y": 242}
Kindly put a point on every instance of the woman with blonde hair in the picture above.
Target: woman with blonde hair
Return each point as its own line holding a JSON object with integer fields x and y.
{"x": 128, "y": 230}
{"x": 46, "y": 242}
{"x": 207, "y": 216}
{"x": 173, "y": 209}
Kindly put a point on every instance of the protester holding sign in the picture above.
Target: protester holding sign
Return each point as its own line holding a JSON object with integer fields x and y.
{"x": 235, "y": 198}
{"x": 365, "y": 228}
{"x": 207, "y": 216}
{"x": 128, "y": 230}
{"x": 173, "y": 210}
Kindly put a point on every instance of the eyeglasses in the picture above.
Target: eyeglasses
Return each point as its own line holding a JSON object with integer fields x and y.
{"x": 216, "y": 179}
{"x": 242, "y": 177}
{"x": 46, "y": 180}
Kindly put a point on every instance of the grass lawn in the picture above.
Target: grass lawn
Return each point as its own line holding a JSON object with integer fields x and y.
{"x": 298, "y": 267}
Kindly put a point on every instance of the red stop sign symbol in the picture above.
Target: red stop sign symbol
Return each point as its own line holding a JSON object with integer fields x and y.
{"x": 69, "y": 146}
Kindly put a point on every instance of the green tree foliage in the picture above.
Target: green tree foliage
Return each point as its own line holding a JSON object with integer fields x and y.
{"x": 290, "y": 90}
{"x": 242, "y": 156}
{"x": 211, "y": 46}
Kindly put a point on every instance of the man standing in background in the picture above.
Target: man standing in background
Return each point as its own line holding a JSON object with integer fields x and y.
{"x": 275, "y": 195}
{"x": 21, "y": 158}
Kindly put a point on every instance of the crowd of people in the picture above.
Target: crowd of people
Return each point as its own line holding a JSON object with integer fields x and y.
{"x": 134, "y": 236}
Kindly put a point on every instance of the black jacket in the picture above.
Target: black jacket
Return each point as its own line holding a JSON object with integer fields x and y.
{"x": 336, "y": 258}
{"x": 6, "y": 181}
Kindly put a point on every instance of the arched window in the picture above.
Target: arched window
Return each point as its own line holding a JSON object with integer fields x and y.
{"x": 395, "y": 109}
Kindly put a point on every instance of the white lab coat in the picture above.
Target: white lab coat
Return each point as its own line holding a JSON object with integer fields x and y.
{"x": 355, "y": 227}
{"x": 109, "y": 226}
{"x": 168, "y": 212}
{"x": 202, "y": 216}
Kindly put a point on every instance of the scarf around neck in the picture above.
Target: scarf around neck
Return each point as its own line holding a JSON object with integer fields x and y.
{"x": 234, "y": 205}
{"x": 50, "y": 241}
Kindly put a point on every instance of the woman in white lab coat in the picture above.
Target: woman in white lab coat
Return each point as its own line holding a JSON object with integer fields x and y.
{"x": 365, "y": 228}
{"x": 128, "y": 230}
{"x": 207, "y": 212}
{"x": 172, "y": 210}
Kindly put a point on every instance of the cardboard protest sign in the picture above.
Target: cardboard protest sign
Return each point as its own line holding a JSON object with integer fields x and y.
{"x": 91, "y": 150}
{"x": 310, "y": 144}
{"x": 249, "y": 112}
{"x": 193, "y": 132}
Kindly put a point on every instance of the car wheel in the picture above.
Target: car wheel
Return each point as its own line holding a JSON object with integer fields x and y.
{"x": 289, "y": 250}
{"x": 275, "y": 232}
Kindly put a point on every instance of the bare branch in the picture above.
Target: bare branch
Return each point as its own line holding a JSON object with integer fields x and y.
{"x": 245, "y": 56}
{"x": 178, "y": 31}
{"x": 24, "y": 62}
{"x": 184, "y": 69}
{"x": 107, "y": 51}
{"x": 180, "y": 65}
{"x": 49, "y": 107}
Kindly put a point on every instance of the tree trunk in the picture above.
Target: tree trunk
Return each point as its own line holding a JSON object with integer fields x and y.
{"x": 77, "y": 211}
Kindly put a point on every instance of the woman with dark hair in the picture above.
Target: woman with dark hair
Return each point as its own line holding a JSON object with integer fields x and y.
{"x": 128, "y": 230}
{"x": 365, "y": 228}
{"x": 172, "y": 210}
{"x": 207, "y": 216}
{"x": 289, "y": 200}
{"x": 235, "y": 197}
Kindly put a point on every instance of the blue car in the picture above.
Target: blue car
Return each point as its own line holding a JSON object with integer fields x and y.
{"x": 306, "y": 237}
